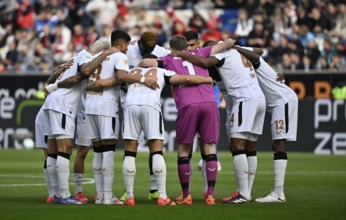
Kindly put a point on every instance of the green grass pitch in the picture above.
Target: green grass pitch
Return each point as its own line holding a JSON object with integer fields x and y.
{"x": 315, "y": 189}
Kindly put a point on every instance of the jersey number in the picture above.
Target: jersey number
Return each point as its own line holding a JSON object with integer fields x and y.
{"x": 96, "y": 75}
{"x": 151, "y": 73}
{"x": 189, "y": 67}
{"x": 246, "y": 62}
{"x": 279, "y": 125}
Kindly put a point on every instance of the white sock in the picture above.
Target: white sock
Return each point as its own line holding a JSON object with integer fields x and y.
{"x": 52, "y": 176}
{"x": 97, "y": 170}
{"x": 63, "y": 173}
{"x": 252, "y": 163}
{"x": 159, "y": 170}
{"x": 49, "y": 185}
{"x": 153, "y": 183}
{"x": 129, "y": 173}
{"x": 240, "y": 169}
{"x": 204, "y": 174}
{"x": 279, "y": 176}
{"x": 108, "y": 173}
{"x": 78, "y": 182}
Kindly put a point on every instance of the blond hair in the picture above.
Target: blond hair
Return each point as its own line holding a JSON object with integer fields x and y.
{"x": 101, "y": 45}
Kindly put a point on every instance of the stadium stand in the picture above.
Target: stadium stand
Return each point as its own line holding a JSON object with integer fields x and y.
{"x": 36, "y": 36}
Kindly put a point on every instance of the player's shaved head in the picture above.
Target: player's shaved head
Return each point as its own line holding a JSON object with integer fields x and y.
{"x": 150, "y": 56}
{"x": 100, "y": 45}
{"x": 178, "y": 42}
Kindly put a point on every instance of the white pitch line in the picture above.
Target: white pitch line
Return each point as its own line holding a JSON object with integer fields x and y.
{"x": 85, "y": 181}
{"x": 309, "y": 173}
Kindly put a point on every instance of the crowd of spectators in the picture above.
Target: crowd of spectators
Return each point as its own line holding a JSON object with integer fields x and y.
{"x": 37, "y": 35}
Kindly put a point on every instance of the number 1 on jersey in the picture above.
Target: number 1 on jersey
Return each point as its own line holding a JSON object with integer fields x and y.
{"x": 189, "y": 67}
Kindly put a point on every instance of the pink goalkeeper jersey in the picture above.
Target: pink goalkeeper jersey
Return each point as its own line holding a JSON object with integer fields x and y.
{"x": 184, "y": 94}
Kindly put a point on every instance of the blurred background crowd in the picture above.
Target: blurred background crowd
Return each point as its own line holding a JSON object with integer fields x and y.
{"x": 300, "y": 35}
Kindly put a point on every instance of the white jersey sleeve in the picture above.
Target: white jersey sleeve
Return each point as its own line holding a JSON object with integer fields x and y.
{"x": 133, "y": 55}
{"x": 87, "y": 58}
{"x": 160, "y": 51}
{"x": 121, "y": 62}
{"x": 220, "y": 56}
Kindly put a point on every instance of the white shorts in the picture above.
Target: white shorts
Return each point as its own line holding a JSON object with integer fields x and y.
{"x": 58, "y": 124}
{"x": 247, "y": 117}
{"x": 146, "y": 118}
{"x": 284, "y": 121}
{"x": 102, "y": 127}
{"x": 82, "y": 135}
{"x": 40, "y": 138}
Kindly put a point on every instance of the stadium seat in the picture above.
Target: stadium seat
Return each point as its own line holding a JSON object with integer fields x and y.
{"x": 229, "y": 19}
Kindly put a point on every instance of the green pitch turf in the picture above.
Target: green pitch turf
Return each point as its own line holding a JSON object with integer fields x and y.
{"x": 315, "y": 189}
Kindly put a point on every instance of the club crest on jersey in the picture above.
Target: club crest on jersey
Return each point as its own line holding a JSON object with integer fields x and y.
{"x": 124, "y": 61}
{"x": 232, "y": 120}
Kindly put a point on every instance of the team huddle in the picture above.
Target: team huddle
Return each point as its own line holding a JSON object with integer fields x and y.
{"x": 86, "y": 92}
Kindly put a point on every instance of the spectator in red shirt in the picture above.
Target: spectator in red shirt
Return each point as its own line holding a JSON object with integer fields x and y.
{"x": 25, "y": 15}
{"x": 78, "y": 37}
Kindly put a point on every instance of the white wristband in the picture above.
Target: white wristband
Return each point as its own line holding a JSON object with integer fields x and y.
{"x": 142, "y": 80}
{"x": 52, "y": 87}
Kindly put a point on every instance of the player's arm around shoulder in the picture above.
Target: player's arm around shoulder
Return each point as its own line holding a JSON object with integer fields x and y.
{"x": 225, "y": 45}
{"x": 123, "y": 77}
{"x": 101, "y": 84}
{"x": 71, "y": 81}
{"x": 195, "y": 59}
{"x": 89, "y": 67}
{"x": 190, "y": 80}
{"x": 59, "y": 70}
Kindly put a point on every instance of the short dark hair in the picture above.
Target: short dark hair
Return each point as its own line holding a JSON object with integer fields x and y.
{"x": 178, "y": 42}
{"x": 118, "y": 36}
{"x": 191, "y": 35}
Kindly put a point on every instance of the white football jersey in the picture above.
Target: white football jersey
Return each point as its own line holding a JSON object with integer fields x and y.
{"x": 65, "y": 100}
{"x": 276, "y": 93}
{"x": 134, "y": 55}
{"x": 106, "y": 102}
{"x": 81, "y": 103}
{"x": 238, "y": 76}
{"x": 139, "y": 94}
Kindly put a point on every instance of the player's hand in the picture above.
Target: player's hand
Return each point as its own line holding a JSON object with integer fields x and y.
{"x": 211, "y": 81}
{"x": 45, "y": 93}
{"x": 68, "y": 64}
{"x": 111, "y": 50}
{"x": 151, "y": 83}
{"x": 93, "y": 86}
{"x": 280, "y": 77}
